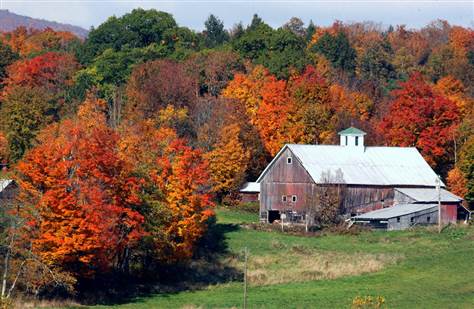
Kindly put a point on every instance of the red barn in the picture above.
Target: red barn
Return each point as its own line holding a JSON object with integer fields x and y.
{"x": 373, "y": 178}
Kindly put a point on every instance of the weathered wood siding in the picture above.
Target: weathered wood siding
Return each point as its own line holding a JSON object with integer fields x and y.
{"x": 285, "y": 179}
{"x": 361, "y": 199}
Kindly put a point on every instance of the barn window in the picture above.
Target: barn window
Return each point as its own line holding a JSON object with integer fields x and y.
{"x": 412, "y": 219}
{"x": 294, "y": 198}
{"x": 357, "y": 141}
{"x": 428, "y": 219}
{"x": 283, "y": 198}
{"x": 346, "y": 140}
{"x": 398, "y": 219}
{"x": 289, "y": 160}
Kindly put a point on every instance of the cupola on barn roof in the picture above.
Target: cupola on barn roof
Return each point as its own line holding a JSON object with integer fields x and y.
{"x": 352, "y": 131}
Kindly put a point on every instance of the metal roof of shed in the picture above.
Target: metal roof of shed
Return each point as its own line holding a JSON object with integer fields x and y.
{"x": 4, "y": 183}
{"x": 429, "y": 194}
{"x": 395, "y": 211}
{"x": 380, "y": 166}
{"x": 251, "y": 187}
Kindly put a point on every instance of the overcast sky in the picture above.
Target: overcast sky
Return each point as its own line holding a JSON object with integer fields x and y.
{"x": 192, "y": 13}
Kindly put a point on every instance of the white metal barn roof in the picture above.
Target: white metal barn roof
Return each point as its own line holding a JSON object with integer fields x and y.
{"x": 4, "y": 183}
{"x": 429, "y": 194}
{"x": 251, "y": 187}
{"x": 364, "y": 165}
{"x": 395, "y": 211}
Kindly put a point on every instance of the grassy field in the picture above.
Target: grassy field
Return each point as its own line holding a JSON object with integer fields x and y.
{"x": 410, "y": 269}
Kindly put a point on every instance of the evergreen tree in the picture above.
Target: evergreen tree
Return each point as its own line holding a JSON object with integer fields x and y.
{"x": 215, "y": 34}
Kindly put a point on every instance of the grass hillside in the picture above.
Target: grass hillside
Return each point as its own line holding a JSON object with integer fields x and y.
{"x": 418, "y": 268}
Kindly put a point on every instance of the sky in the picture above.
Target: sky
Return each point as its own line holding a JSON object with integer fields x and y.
{"x": 193, "y": 13}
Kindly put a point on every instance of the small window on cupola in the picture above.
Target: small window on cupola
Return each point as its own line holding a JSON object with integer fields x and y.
{"x": 289, "y": 160}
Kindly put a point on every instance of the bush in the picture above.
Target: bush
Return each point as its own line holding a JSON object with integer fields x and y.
{"x": 252, "y": 207}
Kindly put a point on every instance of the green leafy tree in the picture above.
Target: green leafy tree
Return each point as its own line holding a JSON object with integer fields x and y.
{"x": 278, "y": 50}
{"x": 215, "y": 33}
{"x": 7, "y": 57}
{"x": 310, "y": 31}
{"x": 139, "y": 28}
{"x": 253, "y": 44}
{"x": 255, "y": 23}
{"x": 285, "y": 50}
{"x": 338, "y": 50}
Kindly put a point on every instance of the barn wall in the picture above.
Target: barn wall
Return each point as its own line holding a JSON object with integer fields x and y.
{"x": 285, "y": 179}
{"x": 362, "y": 199}
{"x": 449, "y": 213}
{"x": 400, "y": 198}
{"x": 419, "y": 218}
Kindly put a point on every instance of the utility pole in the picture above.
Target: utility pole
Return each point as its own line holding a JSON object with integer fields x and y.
{"x": 438, "y": 188}
{"x": 246, "y": 253}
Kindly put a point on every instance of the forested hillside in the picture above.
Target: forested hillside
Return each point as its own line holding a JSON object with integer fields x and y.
{"x": 9, "y": 21}
{"x": 122, "y": 143}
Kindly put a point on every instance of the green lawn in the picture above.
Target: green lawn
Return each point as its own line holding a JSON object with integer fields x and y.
{"x": 411, "y": 269}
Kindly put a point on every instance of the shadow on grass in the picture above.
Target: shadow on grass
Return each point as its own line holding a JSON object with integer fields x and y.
{"x": 207, "y": 267}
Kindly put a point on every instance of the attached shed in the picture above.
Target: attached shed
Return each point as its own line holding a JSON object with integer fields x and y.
{"x": 451, "y": 204}
{"x": 250, "y": 192}
{"x": 400, "y": 217}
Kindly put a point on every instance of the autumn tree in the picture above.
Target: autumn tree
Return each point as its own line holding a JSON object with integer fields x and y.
{"x": 4, "y": 150}
{"x": 457, "y": 182}
{"x": 174, "y": 190}
{"x": 228, "y": 162}
{"x": 150, "y": 88}
{"x": 51, "y": 71}
{"x": 23, "y": 113}
{"x": 466, "y": 165}
{"x": 80, "y": 202}
{"x": 214, "y": 69}
{"x": 419, "y": 117}
{"x": 314, "y": 117}
{"x": 266, "y": 102}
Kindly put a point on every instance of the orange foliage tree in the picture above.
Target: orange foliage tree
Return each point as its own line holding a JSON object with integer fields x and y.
{"x": 29, "y": 42}
{"x": 266, "y": 103}
{"x": 82, "y": 202}
{"x": 420, "y": 117}
{"x": 51, "y": 71}
{"x": 174, "y": 190}
{"x": 314, "y": 118}
{"x": 457, "y": 182}
{"x": 455, "y": 91}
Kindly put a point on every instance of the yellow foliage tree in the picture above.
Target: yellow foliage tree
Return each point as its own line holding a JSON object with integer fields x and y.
{"x": 228, "y": 161}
